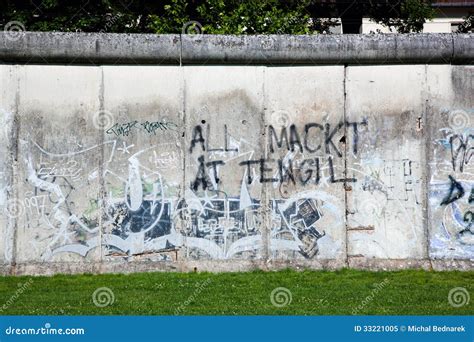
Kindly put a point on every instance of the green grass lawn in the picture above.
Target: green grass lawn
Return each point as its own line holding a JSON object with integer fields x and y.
{"x": 312, "y": 293}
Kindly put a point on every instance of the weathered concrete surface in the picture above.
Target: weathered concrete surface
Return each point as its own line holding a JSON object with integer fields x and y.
{"x": 90, "y": 48}
{"x": 8, "y": 203}
{"x": 125, "y": 168}
{"x": 386, "y": 200}
{"x": 57, "y": 185}
{"x": 324, "y": 49}
{"x": 143, "y": 162}
{"x": 303, "y": 103}
{"x": 110, "y": 48}
{"x": 224, "y": 125}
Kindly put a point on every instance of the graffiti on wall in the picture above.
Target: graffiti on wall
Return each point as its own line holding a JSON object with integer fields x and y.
{"x": 131, "y": 201}
{"x": 452, "y": 193}
{"x": 205, "y": 199}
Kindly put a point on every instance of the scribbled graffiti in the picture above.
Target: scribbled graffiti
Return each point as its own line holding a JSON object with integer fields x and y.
{"x": 462, "y": 150}
{"x": 456, "y": 191}
{"x": 127, "y": 128}
{"x": 464, "y": 220}
{"x": 137, "y": 203}
{"x": 451, "y": 194}
{"x": 140, "y": 207}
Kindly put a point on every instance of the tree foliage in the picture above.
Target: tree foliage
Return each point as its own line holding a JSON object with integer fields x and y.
{"x": 407, "y": 16}
{"x": 211, "y": 16}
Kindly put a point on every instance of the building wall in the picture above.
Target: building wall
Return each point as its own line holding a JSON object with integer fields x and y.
{"x": 446, "y": 20}
{"x": 230, "y": 167}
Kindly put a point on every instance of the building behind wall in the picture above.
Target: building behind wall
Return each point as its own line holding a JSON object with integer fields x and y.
{"x": 449, "y": 15}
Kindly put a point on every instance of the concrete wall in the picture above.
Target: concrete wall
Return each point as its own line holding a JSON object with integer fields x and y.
{"x": 108, "y": 167}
